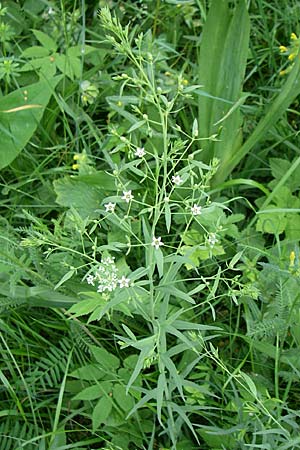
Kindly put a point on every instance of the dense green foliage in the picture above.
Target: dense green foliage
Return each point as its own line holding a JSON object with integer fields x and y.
{"x": 150, "y": 225}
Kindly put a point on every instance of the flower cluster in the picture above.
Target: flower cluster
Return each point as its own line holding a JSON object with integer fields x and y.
{"x": 212, "y": 239}
{"x": 105, "y": 276}
{"x": 291, "y": 52}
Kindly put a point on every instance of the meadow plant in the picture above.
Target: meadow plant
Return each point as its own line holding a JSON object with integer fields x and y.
{"x": 172, "y": 315}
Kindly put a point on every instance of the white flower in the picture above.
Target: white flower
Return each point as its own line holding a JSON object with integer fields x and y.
{"x": 176, "y": 179}
{"x": 127, "y": 196}
{"x": 123, "y": 282}
{"x": 110, "y": 207}
{"x": 212, "y": 239}
{"x": 109, "y": 260}
{"x": 196, "y": 210}
{"x": 140, "y": 152}
{"x": 157, "y": 242}
{"x": 90, "y": 280}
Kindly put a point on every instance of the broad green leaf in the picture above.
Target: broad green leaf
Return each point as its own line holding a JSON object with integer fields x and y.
{"x": 125, "y": 401}
{"x": 292, "y": 228}
{"x": 78, "y": 194}
{"x": 101, "y": 411}
{"x": 106, "y": 360}
{"x": 45, "y": 40}
{"x": 223, "y": 56}
{"x": 35, "y": 52}
{"x": 218, "y": 438}
{"x": 94, "y": 392}
{"x": 88, "y": 373}
{"x": 19, "y": 118}
{"x": 87, "y": 306}
{"x": 273, "y": 223}
{"x": 69, "y": 65}
{"x": 59, "y": 440}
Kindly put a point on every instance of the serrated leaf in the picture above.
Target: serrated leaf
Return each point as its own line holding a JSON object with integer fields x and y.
{"x": 84, "y": 197}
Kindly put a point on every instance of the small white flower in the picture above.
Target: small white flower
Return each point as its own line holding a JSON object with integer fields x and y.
{"x": 212, "y": 239}
{"x": 110, "y": 207}
{"x": 176, "y": 179}
{"x": 90, "y": 280}
{"x": 123, "y": 282}
{"x": 127, "y": 196}
{"x": 140, "y": 152}
{"x": 196, "y": 210}
{"x": 157, "y": 242}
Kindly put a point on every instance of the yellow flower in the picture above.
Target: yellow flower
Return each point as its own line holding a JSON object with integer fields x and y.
{"x": 75, "y": 166}
{"x": 282, "y": 48}
{"x": 292, "y": 56}
{"x": 293, "y": 37}
{"x": 292, "y": 258}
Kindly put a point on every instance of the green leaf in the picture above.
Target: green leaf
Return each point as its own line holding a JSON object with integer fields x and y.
{"x": 94, "y": 392}
{"x": 125, "y": 401}
{"x": 159, "y": 260}
{"x": 168, "y": 216}
{"x": 273, "y": 223}
{"x": 87, "y": 306}
{"x": 276, "y": 108}
{"x": 223, "y": 57}
{"x": 77, "y": 194}
{"x": 250, "y": 385}
{"x": 106, "y": 360}
{"x": 69, "y": 66}
{"x": 19, "y": 118}
{"x": 45, "y": 40}
{"x": 59, "y": 440}
{"x": 101, "y": 411}
{"x": 65, "y": 278}
{"x": 35, "y": 52}
{"x": 88, "y": 373}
